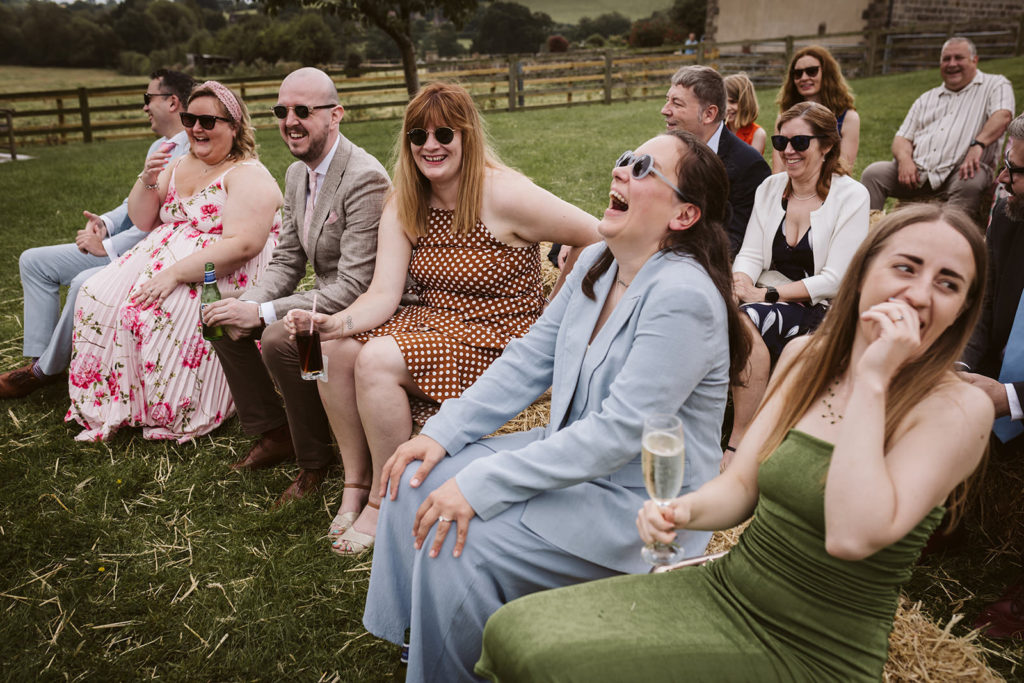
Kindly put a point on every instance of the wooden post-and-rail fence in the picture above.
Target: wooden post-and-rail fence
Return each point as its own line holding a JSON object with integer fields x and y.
{"x": 517, "y": 82}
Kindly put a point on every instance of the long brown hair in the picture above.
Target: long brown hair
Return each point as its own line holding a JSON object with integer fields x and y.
{"x": 823, "y": 123}
{"x": 442, "y": 104}
{"x": 827, "y": 353}
{"x": 701, "y": 175}
{"x": 835, "y": 91}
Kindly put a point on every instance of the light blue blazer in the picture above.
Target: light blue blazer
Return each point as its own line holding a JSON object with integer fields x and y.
{"x": 664, "y": 349}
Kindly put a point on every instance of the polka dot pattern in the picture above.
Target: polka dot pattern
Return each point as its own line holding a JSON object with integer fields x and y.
{"x": 476, "y": 295}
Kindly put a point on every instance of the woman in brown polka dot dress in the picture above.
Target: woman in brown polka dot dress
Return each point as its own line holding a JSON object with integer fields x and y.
{"x": 464, "y": 229}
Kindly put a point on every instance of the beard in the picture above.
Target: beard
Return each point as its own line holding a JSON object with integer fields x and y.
{"x": 1014, "y": 208}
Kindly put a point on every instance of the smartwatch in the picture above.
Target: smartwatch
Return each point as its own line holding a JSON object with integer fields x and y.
{"x": 771, "y": 296}
{"x": 976, "y": 142}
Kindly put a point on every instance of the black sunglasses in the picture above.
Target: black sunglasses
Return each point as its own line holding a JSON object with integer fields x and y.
{"x": 443, "y": 134}
{"x": 301, "y": 110}
{"x": 643, "y": 165}
{"x": 207, "y": 121}
{"x": 811, "y": 71}
{"x": 1010, "y": 168}
{"x": 799, "y": 142}
{"x": 147, "y": 96}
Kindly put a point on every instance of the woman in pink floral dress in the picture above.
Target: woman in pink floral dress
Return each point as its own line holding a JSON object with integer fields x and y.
{"x": 139, "y": 355}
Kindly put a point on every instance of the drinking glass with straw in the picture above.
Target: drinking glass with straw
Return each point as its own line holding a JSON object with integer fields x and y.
{"x": 311, "y": 360}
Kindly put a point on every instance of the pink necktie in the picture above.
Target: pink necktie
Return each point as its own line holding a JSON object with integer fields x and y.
{"x": 310, "y": 201}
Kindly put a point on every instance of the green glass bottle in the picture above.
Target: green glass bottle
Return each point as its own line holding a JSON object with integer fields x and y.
{"x": 210, "y": 294}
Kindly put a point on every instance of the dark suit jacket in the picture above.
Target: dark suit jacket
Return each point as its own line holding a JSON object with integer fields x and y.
{"x": 1005, "y": 242}
{"x": 746, "y": 170}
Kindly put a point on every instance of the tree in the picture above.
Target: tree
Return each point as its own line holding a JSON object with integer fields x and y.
{"x": 394, "y": 17}
{"x": 691, "y": 15}
{"x": 607, "y": 25}
{"x": 508, "y": 27}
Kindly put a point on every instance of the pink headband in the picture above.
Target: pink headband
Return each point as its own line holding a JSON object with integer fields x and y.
{"x": 225, "y": 96}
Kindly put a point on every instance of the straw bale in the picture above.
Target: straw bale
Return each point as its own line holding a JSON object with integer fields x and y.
{"x": 920, "y": 651}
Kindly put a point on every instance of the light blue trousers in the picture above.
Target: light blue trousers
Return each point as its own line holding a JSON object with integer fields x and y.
{"x": 445, "y": 601}
{"x": 44, "y": 270}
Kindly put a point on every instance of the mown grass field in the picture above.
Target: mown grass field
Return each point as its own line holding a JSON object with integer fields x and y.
{"x": 130, "y": 559}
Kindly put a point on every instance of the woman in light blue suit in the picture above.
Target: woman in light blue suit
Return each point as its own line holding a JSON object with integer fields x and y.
{"x": 644, "y": 324}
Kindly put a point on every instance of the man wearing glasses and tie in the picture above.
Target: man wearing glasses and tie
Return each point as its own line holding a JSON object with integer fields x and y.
{"x": 994, "y": 358}
{"x": 44, "y": 270}
{"x": 946, "y": 147}
{"x": 334, "y": 194}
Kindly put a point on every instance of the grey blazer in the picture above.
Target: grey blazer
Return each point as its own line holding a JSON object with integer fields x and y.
{"x": 342, "y": 244}
{"x": 664, "y": 349}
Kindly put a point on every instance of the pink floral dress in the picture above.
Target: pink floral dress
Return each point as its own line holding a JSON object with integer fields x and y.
{"x": 151, "y": 367}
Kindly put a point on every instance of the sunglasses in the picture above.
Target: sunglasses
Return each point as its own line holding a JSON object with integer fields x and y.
{"x": 811, "y": 72}
{"x": 1011, "y": 169}
{"x": 443, "y": 134}
{"x": 799, "y": 142}
{"x": 643, "y": 165}
{"x": 207, "y": 121}
{"x": 301, "y": 110}
{"x": 147, "y": 96}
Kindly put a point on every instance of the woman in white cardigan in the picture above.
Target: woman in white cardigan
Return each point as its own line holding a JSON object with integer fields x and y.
{"x": 804, "y": 229}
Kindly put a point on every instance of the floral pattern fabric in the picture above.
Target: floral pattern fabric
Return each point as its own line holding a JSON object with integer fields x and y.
{"x": 151, "y": 367}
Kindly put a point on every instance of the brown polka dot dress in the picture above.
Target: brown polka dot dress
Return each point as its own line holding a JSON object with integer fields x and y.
{"x": 476, "y": 295}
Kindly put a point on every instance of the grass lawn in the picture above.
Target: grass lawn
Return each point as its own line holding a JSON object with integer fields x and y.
{"x": 132, "y": 559}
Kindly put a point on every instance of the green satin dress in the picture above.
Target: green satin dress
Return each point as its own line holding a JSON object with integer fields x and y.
{"x": 776, "y": 608}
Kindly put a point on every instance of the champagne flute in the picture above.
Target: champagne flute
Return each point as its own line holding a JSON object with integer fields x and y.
{"x": 663, "y": 458}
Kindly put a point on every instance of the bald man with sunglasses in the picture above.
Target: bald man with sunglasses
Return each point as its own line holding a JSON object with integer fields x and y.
{"x": 334, "y": 195}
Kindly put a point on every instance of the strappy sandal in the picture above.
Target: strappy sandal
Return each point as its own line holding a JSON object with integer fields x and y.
{"x": 343, "y": 520}
{"x": 354, "y": 542}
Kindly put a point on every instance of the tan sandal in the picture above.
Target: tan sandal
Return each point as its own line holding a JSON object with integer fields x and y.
{"x": 354, "y": 542}
{"x": 343, "y": 520}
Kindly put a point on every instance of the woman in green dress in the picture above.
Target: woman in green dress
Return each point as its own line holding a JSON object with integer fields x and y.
{"x": 863, "y": 434}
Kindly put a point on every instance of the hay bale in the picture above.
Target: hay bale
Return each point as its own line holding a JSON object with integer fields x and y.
{"x": 920, "y": 651}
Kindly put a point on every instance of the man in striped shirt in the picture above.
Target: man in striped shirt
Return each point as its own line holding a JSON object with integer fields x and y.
{"x": 946, "y": 147}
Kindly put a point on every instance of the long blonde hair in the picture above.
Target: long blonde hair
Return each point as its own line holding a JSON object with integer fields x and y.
{"x": 739, "y": 88}
{"x": 442, "y": 104}
{"x": 827, "y": 353}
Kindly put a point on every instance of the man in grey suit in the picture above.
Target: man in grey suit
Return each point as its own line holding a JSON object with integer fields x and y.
{"x": 105, "y": 237}
{"x": 333, "y": 200}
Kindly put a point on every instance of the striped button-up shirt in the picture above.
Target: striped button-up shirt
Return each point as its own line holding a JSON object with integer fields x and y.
{"x": 942, "y": 123}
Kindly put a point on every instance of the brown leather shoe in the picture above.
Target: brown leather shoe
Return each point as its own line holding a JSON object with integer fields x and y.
{"x": 1004, "y": 618}
{"x": 266, "y": 452}
{"x": 22, "y": 382}
{"x": 306, "y": 483}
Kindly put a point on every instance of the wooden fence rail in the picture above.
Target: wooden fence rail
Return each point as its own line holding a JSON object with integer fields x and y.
{"x": 521, "y": 82}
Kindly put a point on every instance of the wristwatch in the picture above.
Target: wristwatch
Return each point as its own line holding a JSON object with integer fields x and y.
{"x": 771, "y": 295}
{"x": 976, "y": 141}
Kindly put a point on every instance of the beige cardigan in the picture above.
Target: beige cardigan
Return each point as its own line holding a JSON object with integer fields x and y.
{"x": 838, "y": 227}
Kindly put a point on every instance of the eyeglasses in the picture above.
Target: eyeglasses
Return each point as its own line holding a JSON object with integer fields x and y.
{"x": 799, "y": 142}
{"x": 811, "y": 72}
{"x": 1010, "y": 168}
{"x": 301, "y": 110}
{"x": 207, "y": 121}
{"x": 443, "y": 134}
{"x": 643, "y": 165}
{"x": 147, "y": 96}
